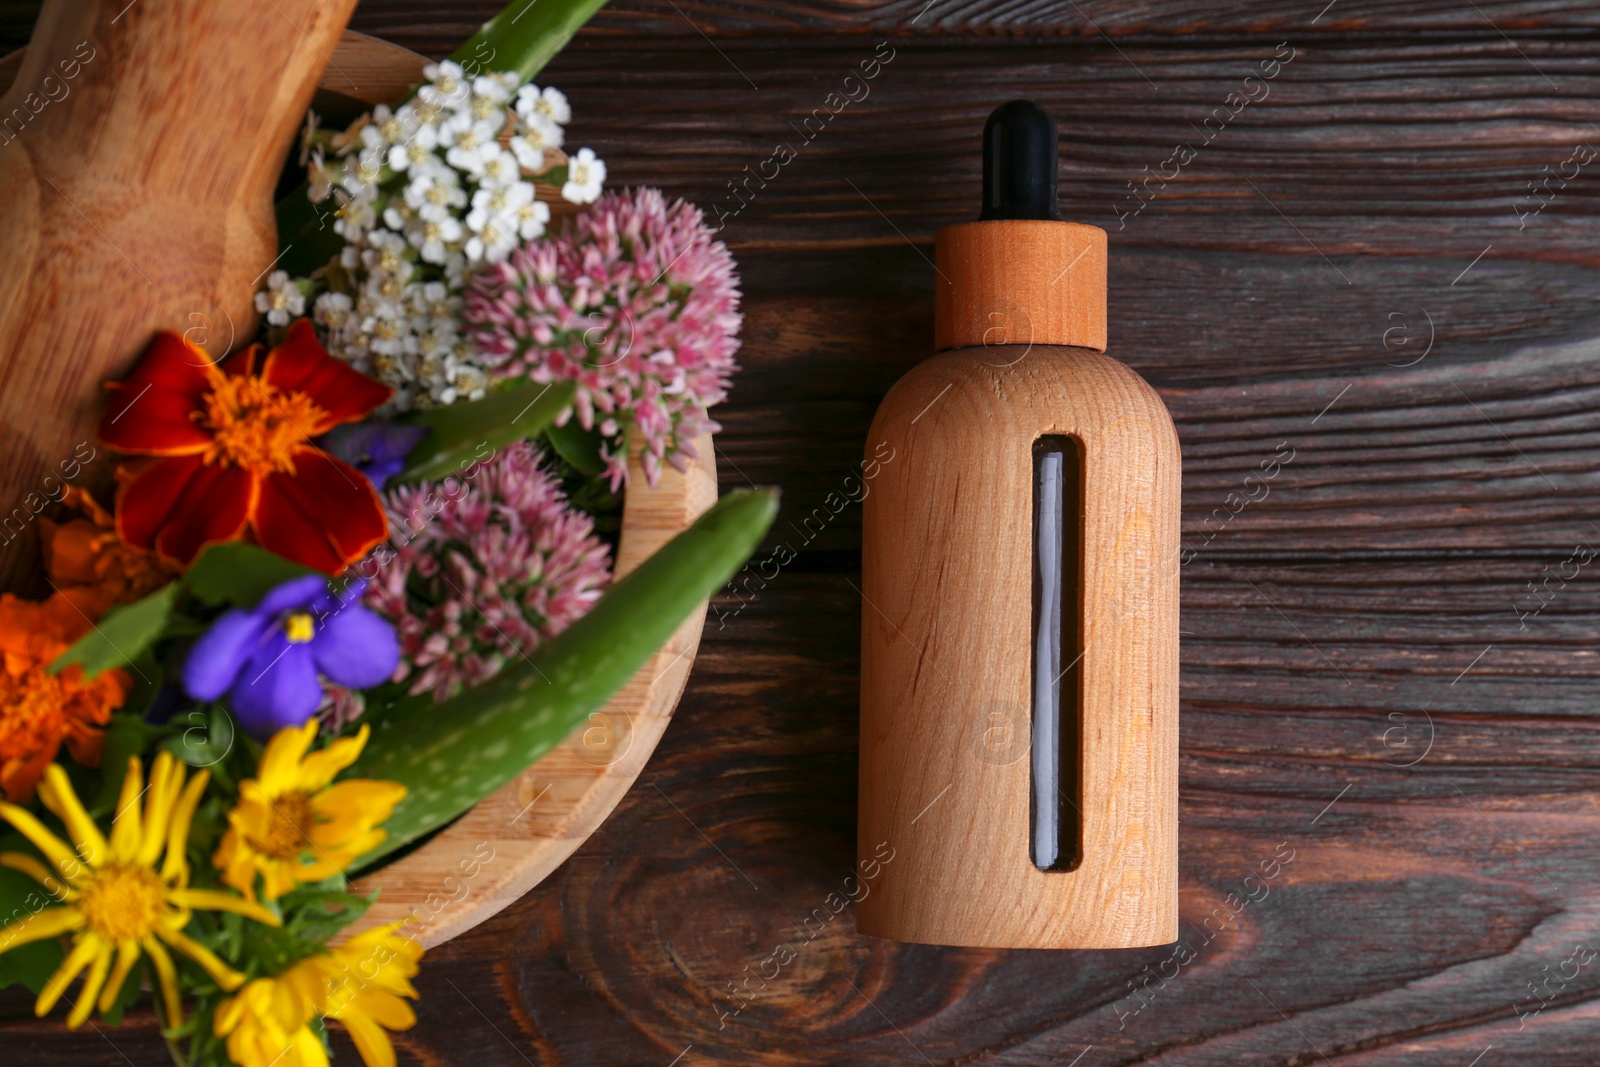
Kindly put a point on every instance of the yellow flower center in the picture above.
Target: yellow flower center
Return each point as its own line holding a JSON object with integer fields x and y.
{"x": 289, "y": 832}
{"x": 257, "y": 426}
{"x": 299, "y": 627}
{"x": 123, "y": 903}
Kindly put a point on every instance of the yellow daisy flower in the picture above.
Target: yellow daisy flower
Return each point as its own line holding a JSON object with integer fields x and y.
{"x": 268, "y": 1021}
{"x": 368, "y": 977}
{"x": 362, "y": 983}
{"x": 116, "y": 902}
{"x": 291, "y": 826}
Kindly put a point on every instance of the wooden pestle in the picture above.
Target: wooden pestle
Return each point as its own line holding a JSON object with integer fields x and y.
{"x": 140, "y": 145}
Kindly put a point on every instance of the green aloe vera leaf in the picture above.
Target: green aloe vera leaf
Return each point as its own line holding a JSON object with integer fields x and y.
{"x": 451, "y": 755}
{"x": 468, "y": 433}
{"x": 523, "y": 38}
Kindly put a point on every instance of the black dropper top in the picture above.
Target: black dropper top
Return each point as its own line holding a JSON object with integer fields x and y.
{"x": 1019, "y": 163}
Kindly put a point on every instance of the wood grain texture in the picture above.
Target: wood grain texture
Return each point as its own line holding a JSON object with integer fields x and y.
{"x": 141, "y": 149}
{"x": 947, "y": 589}
{"x": 418, "y": 23}
{"x": 1367, "y": 604}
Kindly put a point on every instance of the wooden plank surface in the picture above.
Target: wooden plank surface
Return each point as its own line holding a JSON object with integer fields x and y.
{"x": 1377, "y": 707}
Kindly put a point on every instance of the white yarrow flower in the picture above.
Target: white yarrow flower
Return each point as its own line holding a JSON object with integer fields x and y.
{"x": 413, "y": 155}
{"x": 503, "y": 169}
{"x": 532, "y": 140}
{"x": 499, "y": 201}
{"x": 548, "y": 104}
{"x": 356, "y": 215}
{"x": 492, "y": 87}
{"x": 531, "y": 219}
{"x": 332, "y": 311}
{"x": 433, "y": 304}
{"x": 447, "y": 88}
{"x": 367, "y": 170}
{"x": 471, "y": 143}
{"x": 387, "y": 331}
{"x": 281, "y": 300}
{"x": 493, "y": 238}
{"x": 585, "y": 175}
{"x": 435, "y": 194}
{"x": 488, "y": 103}
{"x": 468, "y": 381}
{"x": 455, "y": 271}
{"x": 431, "y": 236}
{"x": 391, "y": 125}
{"x": 426, "y": 193}
{"x": 372, "y": 138}
{"x": 386, "y": 253}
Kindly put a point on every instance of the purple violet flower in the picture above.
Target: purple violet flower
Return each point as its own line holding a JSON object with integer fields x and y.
{"x": 267, "y": 658}
{"x": 376, "y": 448}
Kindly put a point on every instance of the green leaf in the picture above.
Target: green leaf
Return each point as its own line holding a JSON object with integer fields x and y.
{"x": 525, "y": 36}
{"x": 577, "y": 446}
{"x": 305, "y": 232}
{"x": 31, "y": 964}
{"x": 451, "y": 755}
{"x": 128, "y": 735}
{"x": 21, "y": 896}
{"x": 123, "y": 635}
{"x": 203, "y": 739}
{"x": 239, "y": 574}
{"x": 466, "y": 434}
{"x": 313, "y": 914}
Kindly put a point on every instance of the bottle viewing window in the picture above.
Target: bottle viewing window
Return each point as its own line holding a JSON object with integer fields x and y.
{"x": 1057, "y": 651}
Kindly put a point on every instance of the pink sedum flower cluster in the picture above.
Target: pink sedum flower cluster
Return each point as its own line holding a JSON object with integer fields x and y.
{"x": 494, "y": 566}
{"x": 638, "y": 304}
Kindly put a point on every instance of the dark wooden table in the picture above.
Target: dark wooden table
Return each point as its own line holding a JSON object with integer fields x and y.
{"x": 1383, "y": 266}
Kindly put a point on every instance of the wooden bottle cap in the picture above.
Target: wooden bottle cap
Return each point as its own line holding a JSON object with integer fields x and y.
{"x": 1020, "y": 281}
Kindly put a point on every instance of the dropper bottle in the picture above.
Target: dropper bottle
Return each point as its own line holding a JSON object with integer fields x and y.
{"x": 1019, "y": 644}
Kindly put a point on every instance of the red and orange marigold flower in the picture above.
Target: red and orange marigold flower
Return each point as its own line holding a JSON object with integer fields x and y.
{"x": 85, "y": 557}
{"x": 40, "y": 711}
{"x": 231, "y": 454}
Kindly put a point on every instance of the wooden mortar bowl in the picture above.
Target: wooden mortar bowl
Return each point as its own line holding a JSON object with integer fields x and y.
{"x": 510, "y": 841}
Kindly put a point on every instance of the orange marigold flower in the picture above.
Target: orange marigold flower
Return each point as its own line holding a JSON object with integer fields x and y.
{"x": 85, "y": 556}
{"x": 39, "y": 710}
{"x": 233, "y": 456}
